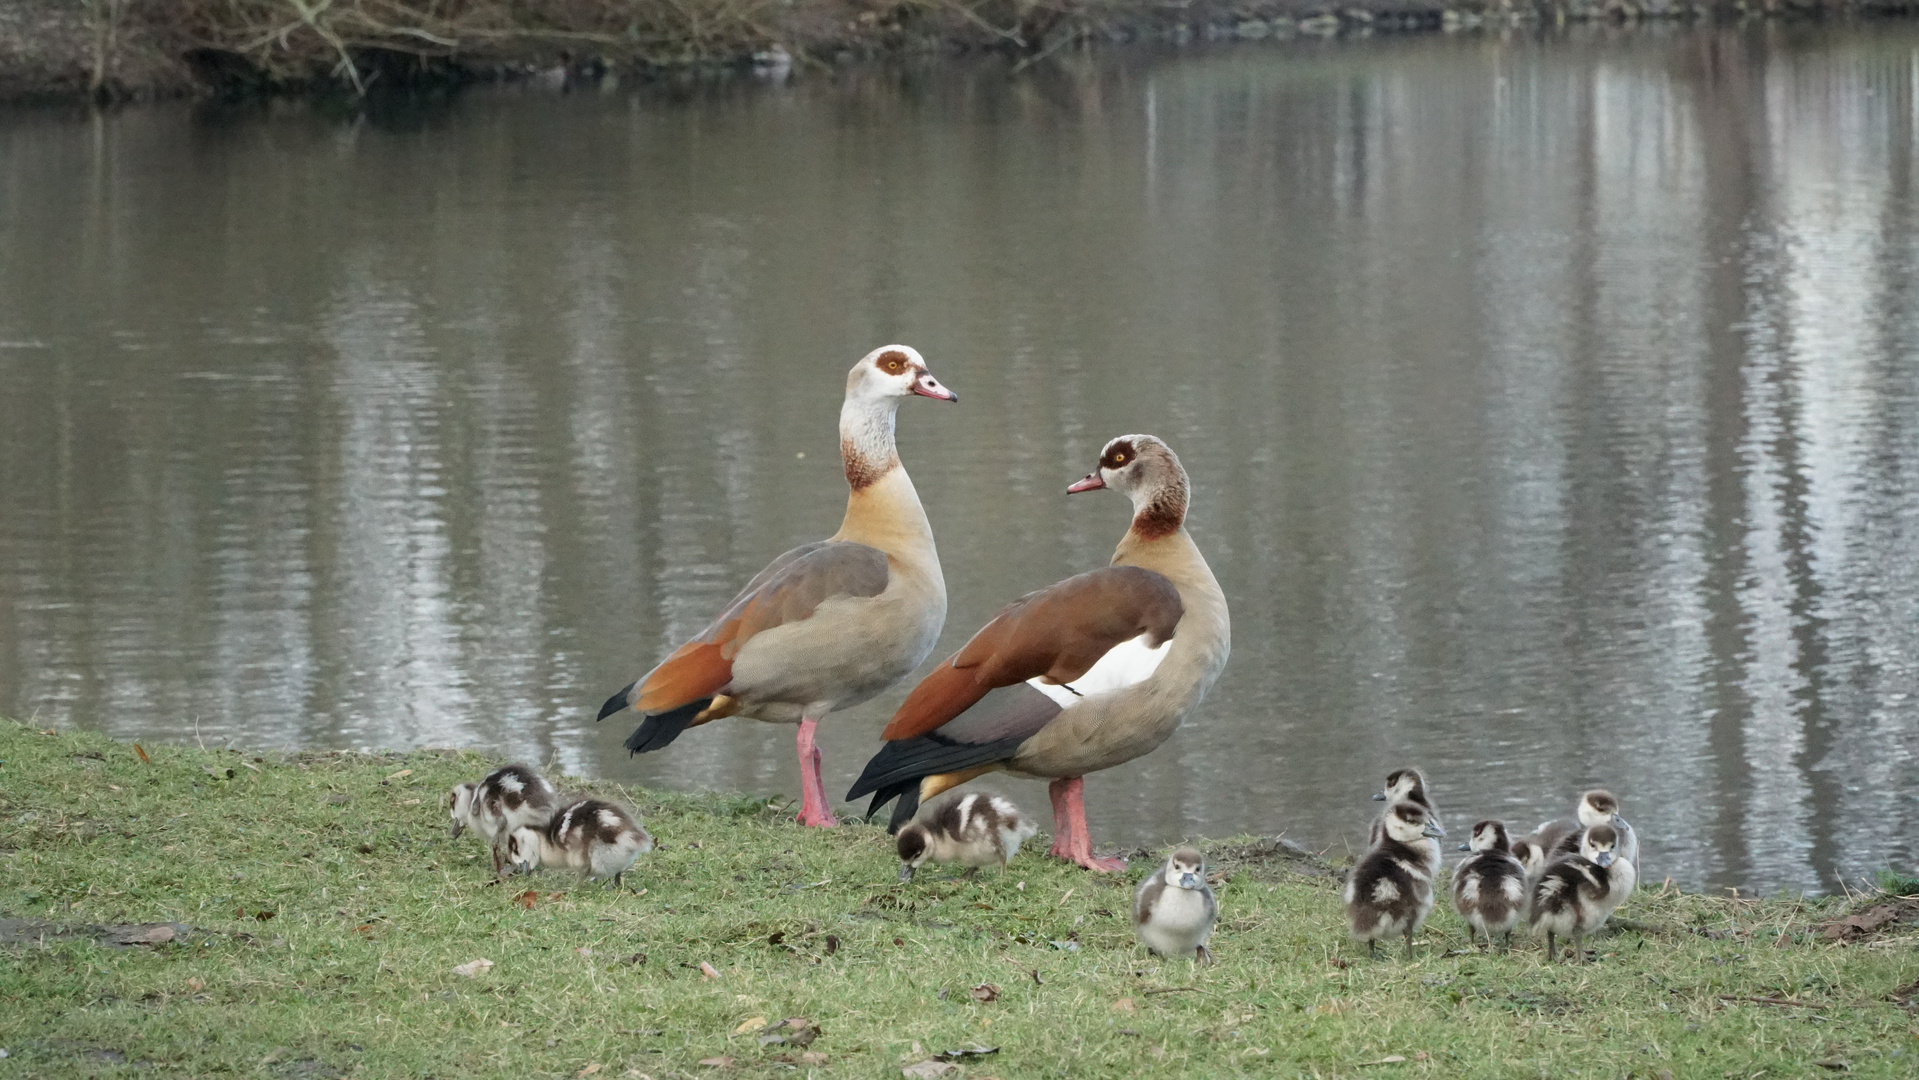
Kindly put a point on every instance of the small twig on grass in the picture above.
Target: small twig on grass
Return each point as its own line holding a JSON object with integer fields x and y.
{"x": 1773, "y": 1001}
{"x": 1174, "y": 990}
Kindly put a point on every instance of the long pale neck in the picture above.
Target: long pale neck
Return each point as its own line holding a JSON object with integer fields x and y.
{"x": 882, "y": 508}
{"x": 1173, "y": 554}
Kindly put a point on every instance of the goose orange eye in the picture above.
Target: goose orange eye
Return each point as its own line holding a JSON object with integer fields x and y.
{"x": 894, "y": 365}
{"x": 1118, "y": 460}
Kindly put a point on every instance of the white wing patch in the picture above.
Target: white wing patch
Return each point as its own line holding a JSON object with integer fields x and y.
{"x": 1126, "y": 664}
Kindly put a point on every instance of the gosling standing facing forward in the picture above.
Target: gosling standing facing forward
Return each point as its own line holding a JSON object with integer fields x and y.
{"x": 1577, "y": 893}
{"x": 1390, "y": 892}
{"x": 1174, "y": 910}
{"x": 1489, "y": 886}
{"x": 974, "y": 831}
{"x": 597, "y": 838}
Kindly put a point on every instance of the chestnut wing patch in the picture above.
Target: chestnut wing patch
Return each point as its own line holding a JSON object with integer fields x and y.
{"x": 787, "y": 591}
{"x": 1055, "y": 635}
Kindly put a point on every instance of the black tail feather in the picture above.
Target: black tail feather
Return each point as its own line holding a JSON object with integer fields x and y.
{"x": 617, "y": 702}
{"x": 660, "y": 729}
{"x": 896, "y": 771}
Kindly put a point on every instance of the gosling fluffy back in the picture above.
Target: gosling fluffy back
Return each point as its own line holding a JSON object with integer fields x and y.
{"x": 973, "y": 830}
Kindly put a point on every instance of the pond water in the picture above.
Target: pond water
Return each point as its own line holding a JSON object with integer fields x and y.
{"x": 1552, "y": 407}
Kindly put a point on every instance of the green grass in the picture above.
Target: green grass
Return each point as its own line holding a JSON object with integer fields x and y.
{"x": 326, "y": 930}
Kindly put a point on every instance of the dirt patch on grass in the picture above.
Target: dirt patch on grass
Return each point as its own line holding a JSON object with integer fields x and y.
{"x": 1874, "y": 919}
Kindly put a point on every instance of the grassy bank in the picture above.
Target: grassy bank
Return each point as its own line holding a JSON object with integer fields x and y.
{"x": 142, "y": 48}
{"x": 314, "y": 911}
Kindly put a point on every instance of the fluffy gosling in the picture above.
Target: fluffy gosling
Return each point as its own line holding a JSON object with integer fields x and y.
{"x": 1174, "y": 910}
{"x": 974, "y": 831}
{"x": 1577, "y": 893}
{"x": 597, "y": 838}
{"x": 1595, "y": 807}
{"x": 508, "y": 798}
{"x": 1402, "y": 785}
{"x": 1489, "y": 886}
{"x": 1390, "y": 893}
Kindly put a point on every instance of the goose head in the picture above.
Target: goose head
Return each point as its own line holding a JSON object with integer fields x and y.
{"x": 1598, "y": 807}
{"x": 460, "y": 804}
{"x": 1403, "y": 784}
{"x": 1409, "y": 823}
{"x": 1489, "y": 836}
{"x": 1186, "y": 869}
{"x": 1146, "y": 471}
{"x": 891, "y": 372}
{"x": 1597, "y": 843}
{"x": 915, "y": 845}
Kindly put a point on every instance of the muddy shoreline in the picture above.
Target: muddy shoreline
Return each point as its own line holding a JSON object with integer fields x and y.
{"x": 132, "y": 50}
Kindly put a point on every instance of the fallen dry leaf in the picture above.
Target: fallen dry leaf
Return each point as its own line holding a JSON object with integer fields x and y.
{"x": 709, "y": 970}
{"x": 1124, "y": 1004}
{"x": 812, "y": 1057}
{"x": 1389, "y": 1059}
{"x": 718, "y": 1062}
{"x": 196, "y": 985}
{"x": 137, "y": 748}
{"x": 929, "y": 1069}
{"x": 405, "y": 773}
{"x": 985, "y": 992}
{"x": 528, "y": 898}
{"x": 749, "y": 1024}
{"x": 591, "y": 1068}
{"x": 473, "y": 967}
{"x": 967, "y": 1053}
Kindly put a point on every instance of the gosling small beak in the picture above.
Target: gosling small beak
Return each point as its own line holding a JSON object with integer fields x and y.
{"x": 1433, "y": 830}
{"x": 1379, "y": 796}
{"x": 906, "y": 871}
{"x": 1604, "y": 858}
{"x": 1189, "y": 881}
{"x": 927, "y": 386}
{"x": 1089, "y": 482}
{"x": 454, "y": 830}
{"x": 1465, "y": 847}
{"x": 1618, "y": 822}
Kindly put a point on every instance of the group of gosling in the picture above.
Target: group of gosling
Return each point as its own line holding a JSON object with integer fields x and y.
{"x": 1563, "y": 880}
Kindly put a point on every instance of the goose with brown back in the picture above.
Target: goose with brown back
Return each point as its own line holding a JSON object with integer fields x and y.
{"x": 828, "y": 624}
{"x": 1082, "y": 676}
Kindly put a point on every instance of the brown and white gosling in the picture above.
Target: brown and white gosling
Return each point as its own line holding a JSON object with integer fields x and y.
{"x": 1595, "y": 807}
{"x": 508, "y": 798}
{"x": 1489, "y": 886}
{"x": 1174, "y": 910}
{"x": 597, "y": 838}
{"x": 1402, "y": 785}
{"x": 1390, "y": 893}
{"x": 974, "y": 830}
{"x": 1577, "y": 893}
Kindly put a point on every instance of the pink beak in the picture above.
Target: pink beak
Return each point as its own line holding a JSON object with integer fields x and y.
{"x": 1091, "y": 482}
{"x": 927, "y": 386}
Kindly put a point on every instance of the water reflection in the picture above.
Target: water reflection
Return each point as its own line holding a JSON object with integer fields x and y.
{"x": 1549, "y": 403}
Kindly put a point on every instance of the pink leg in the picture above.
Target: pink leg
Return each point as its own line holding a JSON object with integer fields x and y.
{"x": 1072, "y": 841}
{"x": 814, "y": 809}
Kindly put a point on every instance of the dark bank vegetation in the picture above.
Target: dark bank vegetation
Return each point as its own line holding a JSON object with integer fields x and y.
{"x": 109, "y": 49}
{"x": 177, "y": 911}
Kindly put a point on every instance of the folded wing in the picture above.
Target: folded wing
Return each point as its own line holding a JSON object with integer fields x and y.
{"x": 1091, "y": 633}
{"x": 679, "y": 692}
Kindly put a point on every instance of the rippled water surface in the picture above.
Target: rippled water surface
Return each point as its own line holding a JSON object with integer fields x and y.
{"x": 1552, "y": 406}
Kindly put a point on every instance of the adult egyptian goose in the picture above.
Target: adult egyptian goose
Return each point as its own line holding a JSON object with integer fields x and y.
{"x": 828, "y": 624}
{"x": 1082, "y": 676}
{"x": 1577, "y": 893}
